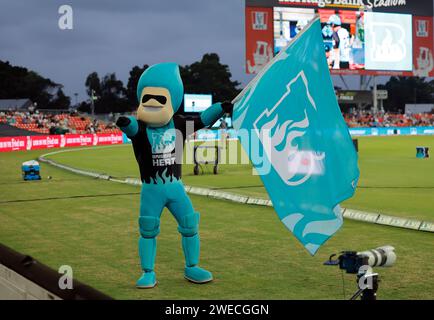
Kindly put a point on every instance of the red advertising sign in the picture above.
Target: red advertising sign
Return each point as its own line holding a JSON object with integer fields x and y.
{"x": 58, "y": 141}
{"x": 423, "y": 63}
{"x": 109, "y": 138}
{"x": 43, "y": 142}
{"x": 78, "y": 140}
{"x": 13, "y": 144}
{"x": 259, "y": 38}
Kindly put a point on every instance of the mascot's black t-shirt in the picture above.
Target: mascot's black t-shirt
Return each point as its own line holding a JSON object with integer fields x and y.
{"x": 158, "y": 151}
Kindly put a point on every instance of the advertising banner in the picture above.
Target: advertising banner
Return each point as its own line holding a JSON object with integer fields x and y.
{"x": 61, "y": 141}
{"x": 423, "y": 46}
{"x": 108, "y": 138}
{"x": 13, "y": 144}
{"x": 209, "y": 135}
{"x": 43, "y": 142}
{"x": 392, "y": 131}
{"x": 259, "y": 38}
{"x": 58, "y": 141}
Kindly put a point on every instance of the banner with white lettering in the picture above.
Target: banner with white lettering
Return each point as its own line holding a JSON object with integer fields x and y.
{"x": 58, "y": 141}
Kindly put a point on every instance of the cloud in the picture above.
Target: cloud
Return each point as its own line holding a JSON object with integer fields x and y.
{"x": 113, "y": 36}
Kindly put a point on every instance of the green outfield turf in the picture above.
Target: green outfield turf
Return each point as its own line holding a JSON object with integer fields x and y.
{"x": 392, "y": 180}
{"x": 91, "y": 225}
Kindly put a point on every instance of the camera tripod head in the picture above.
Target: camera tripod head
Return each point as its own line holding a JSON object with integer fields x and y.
{"x": 361, "y": 263}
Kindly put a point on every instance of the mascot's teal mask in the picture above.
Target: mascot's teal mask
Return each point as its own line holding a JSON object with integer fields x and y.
{"x": 159, "y": 92}
{"x": 165, "y": 75}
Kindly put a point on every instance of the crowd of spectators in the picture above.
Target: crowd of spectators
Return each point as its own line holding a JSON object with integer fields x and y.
{"x": 63, "y": 123}
{"x": 386, "y": 119}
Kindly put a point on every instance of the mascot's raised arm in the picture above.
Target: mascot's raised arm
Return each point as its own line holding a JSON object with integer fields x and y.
{"x": 158, "y": 136}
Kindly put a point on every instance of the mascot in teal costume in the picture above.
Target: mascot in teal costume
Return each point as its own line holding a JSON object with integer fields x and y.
{"x": 156, "y": 135}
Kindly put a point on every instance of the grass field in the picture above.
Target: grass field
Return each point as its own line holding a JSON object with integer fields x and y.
{"x": 91, "y": 225}
{"x": 392, "y": 180}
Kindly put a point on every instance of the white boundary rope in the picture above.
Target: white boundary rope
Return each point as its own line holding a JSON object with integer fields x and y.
{"x": 369, "y": 217}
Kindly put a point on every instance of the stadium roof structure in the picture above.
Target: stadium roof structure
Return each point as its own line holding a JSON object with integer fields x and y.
{"x": 14, "y": 104}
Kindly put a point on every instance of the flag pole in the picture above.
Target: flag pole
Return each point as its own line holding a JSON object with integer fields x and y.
{"x": 267, "y": 66}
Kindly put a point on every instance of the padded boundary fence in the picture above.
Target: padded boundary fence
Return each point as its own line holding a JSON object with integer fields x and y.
{"x": 24, "y": 278}
{"x": 369, "y": 217}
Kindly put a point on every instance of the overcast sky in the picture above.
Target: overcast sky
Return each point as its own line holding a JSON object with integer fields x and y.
{"x": 114, "y": 35}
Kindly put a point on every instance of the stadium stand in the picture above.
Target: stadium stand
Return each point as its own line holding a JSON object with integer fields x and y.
{"x": 19, "y": 123}
{"x": 46, "y": 123}
{"x": 11, "y": 131}
{"x": 385, "y": 119}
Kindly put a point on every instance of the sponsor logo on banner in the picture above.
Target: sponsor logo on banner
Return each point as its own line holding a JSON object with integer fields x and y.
{"x": 259, "y": 19}
{"x": 259, "y": 38}
{"x": 422, "y": 29}
{"x": 357, "y": 132}
{"x": 109, "y": 138}
{"x": 423, "y": 61}
{"x": 29, "y": 143}
{"x": 95, "y": 139}
{"x": 62, "y": 141}
{"x": 74, "y": 140}
{"x": 262, "y": 55}
{"x": 382, "y": 131}
{"x": 13, "y": 143}
{"x": 43, "y": 142}
{"x": 58, "y": 141}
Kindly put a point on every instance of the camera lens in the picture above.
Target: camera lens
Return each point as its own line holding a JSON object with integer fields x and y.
{"x": 381, "y": 257}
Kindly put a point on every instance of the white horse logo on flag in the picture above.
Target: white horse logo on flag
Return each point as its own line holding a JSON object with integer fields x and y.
{"x": 293, "y": 165}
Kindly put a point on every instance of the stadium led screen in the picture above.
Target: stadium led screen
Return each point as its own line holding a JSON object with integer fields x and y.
{"x": 197, "y": 102}
{"x": 366, "y": 37}
{"x": 388, "y": 41}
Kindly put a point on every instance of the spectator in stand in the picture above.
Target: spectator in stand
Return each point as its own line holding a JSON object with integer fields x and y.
{"x": 55, "y": 124}
{"x": 73, "y": 123}
{"x": 385, "y": 119}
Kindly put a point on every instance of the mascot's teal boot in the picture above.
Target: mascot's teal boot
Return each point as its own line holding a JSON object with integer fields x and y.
{"x": 147, "y": 280}
{"x": 193, "y": 273}
{"x": 147, "y": 251}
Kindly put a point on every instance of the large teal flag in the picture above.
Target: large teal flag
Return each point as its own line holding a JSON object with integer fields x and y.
{"x": 298, "y": 140}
